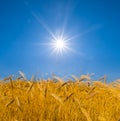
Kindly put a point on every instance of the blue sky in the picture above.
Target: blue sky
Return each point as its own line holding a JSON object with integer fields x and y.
{"x": 96, "y": 48}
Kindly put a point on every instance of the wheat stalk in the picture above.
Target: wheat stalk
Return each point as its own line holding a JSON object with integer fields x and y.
{"x": 68, "y": 97}
{"x": 91, "y": 90}
{"x": 103, "y": 78}
{"x": 9, "y": 78}
{"x": 85, "y": 114}
{"x": 83, "y": 77}
{"x": 18, "y": 103}
{"x": 62, "y": 85}
{"x": 58, "y": 78}
{"x": 29, "y": 89}
{"x": 76, "y": 79}
{"x": 10, "y": 103}
{"x": 22, "y": 75}
{"x": 57, "y": 98}
{"x": 92, "y": 95}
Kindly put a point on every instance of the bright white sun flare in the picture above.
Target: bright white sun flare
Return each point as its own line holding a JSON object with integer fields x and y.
{"x": 60, "y": 45}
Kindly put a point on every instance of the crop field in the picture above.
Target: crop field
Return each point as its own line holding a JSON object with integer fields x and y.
{"x": 80, "y": 99}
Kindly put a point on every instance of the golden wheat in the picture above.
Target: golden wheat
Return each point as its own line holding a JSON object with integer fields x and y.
{"x": 50, "y": 100}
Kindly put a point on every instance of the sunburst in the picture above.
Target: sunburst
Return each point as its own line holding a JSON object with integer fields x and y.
{"x": 60, "y": 45}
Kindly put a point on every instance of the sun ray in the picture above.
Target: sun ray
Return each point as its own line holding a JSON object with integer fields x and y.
{"x": 44, "y": 25}
{"x": 59, "y": 44}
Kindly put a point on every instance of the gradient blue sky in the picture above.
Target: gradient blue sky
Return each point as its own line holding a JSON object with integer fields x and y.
{"x": 22, "y": 30}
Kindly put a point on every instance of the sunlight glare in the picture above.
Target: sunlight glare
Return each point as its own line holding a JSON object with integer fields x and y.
{"x": 60, "y": 45}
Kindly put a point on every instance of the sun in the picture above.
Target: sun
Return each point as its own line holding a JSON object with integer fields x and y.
{"x": 60, "y": 45}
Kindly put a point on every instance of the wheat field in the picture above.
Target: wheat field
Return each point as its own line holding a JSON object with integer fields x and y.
{"x": 80, "y": 99}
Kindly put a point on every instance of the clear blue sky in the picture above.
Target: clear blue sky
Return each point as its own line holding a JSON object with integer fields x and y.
{"x": 22, "y": 30}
